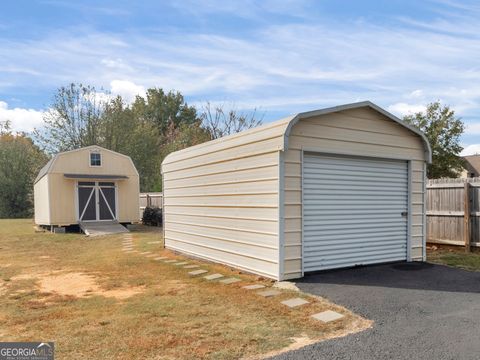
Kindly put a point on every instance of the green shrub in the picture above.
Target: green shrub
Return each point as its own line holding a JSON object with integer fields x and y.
{"x": 152, "y": 215}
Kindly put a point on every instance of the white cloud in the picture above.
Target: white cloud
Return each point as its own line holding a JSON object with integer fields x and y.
{"x": 403, "y": 109}
{"x": 291, "y": 66}
{"x": 27, "y": 120}
{"x": 21, "y": 119}
{"x": 416, "y": 94}
{"x": 128, "y": 90}
{"x": 473, "y": 149}
{"x": 472, "y": 128}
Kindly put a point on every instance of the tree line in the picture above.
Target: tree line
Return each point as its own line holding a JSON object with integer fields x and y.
{"x": 147, "y": 130}
{"x": 150, "y": 128}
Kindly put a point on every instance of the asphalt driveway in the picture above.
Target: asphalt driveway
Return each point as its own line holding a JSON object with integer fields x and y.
{"x": 421, "y": 311}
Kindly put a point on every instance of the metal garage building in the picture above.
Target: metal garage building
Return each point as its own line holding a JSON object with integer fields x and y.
{"x": 324, "y": 189}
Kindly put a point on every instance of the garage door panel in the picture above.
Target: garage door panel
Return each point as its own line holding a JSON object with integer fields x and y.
{"x": 334, "y": 243}
{"x": 353, "y": 211}
{"x": 352, "y": 232}
{"x": 335, "y": 264}
{"x": 366, "y": 250}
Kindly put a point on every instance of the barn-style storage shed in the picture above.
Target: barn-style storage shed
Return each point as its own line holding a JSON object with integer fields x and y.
{"x": 90, "y": 184}
{"x": 324, "y": 189}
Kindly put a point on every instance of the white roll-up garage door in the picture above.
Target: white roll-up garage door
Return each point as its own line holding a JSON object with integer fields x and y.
{"x": 355, "y": 211}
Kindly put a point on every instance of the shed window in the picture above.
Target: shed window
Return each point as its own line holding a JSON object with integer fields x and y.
{"x": 95, "y": 159}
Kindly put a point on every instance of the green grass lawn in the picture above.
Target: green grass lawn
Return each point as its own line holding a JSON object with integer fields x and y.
{"x": 97, "y": 302}
{"x": 455, "y": 257}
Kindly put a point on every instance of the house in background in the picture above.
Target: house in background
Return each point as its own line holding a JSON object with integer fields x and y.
{"x": 95, "y": 188}
{"x": 472, "y": 166}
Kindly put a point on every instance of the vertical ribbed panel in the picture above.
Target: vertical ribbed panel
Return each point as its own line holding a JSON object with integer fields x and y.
{"x": 353, "y": 211}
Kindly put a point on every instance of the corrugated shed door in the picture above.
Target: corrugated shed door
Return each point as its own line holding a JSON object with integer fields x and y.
{"x": 355, "y": 211}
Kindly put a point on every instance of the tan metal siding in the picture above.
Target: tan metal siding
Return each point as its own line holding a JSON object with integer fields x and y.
{"x": 62, "y": 200}
{"x": 223, "y": 205}
{"x": 42, "y": 206}
{"x": 351, "y": 132}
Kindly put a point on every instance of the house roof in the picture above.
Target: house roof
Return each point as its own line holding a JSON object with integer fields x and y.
{"x": 473, "y": 161}
{"x": 44, "y": 170}
{"x": 279, "y": 131}
{"x": 48, "y": 166}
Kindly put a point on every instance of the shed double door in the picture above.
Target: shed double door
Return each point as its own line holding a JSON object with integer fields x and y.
{"x": 96, "y": 201}
{"x": 354, "y": 211}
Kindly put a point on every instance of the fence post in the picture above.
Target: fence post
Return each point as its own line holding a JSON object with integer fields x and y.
{"x": 466, "y": 216}
{"x": 149, "y": 201}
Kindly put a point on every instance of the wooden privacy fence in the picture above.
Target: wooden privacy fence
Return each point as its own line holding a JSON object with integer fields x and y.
{"x": 453, "y": 212}
{"x": 150, "y": 199}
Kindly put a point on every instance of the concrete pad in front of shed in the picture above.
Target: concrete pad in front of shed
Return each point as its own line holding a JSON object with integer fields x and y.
{"x": 230, "y": 280}
{"x": 197, "y": 272}
{"x": 269, "y": 293}
{"x": 295, "y": 302}
{"x": 213, "y": 276}
{"x": 327, "y": 316}
{"x": 253, "y": 287}
{"x": 191, "y": 266}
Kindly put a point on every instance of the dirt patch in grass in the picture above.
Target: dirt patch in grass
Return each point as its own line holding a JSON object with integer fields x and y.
{"x": 75, "y": 285}
{"x": 79, "y": 284}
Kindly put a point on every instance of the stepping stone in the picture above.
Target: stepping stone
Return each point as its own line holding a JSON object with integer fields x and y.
{"x": 213, "y": 276}
{"x": 294, "y": 302}
{"x": 197, "y": 272}
{"x": 191, "y": 266}
{"x": 269, "y": 293}
{"x": 170, "y": 261}
{"x": 230, "y": 280}
{"x": 145, "y": 253}
{"x": 253, "y": 287}
{"x": 327, "y": 316}
{"x": 127, "y": 249}
{"x": 154, "y": 242}
{"x": 160, "y": 258}
{"x": 181, "y": 263}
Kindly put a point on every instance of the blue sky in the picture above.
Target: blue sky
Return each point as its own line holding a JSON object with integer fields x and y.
{"x": 280, "y": 57}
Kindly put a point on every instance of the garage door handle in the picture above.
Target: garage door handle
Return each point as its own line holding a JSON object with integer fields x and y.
{"x": 404, "y": 213}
